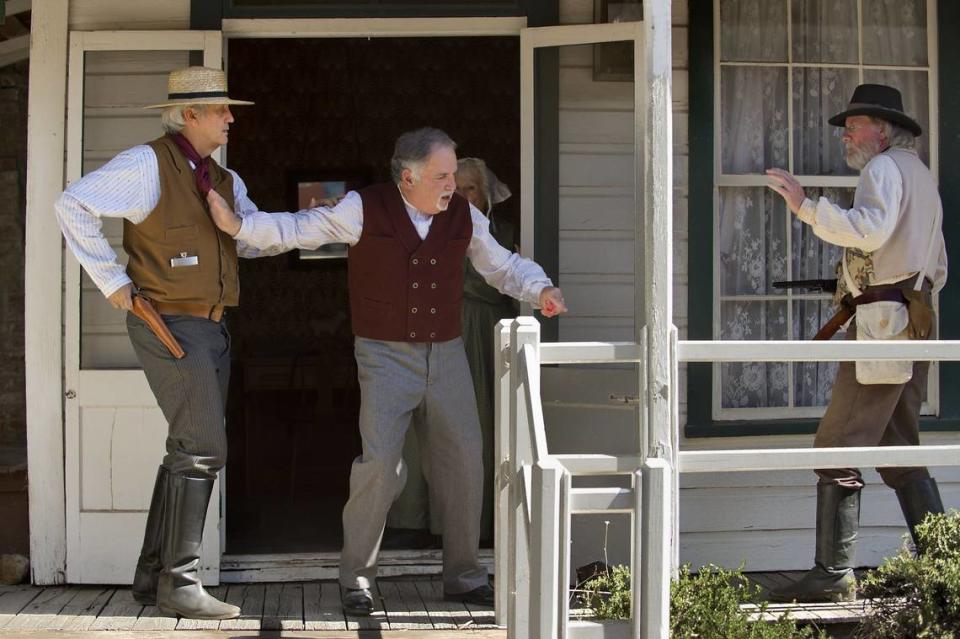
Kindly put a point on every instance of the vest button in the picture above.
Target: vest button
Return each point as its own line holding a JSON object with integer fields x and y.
{"x": 413, "y": 333}
{"x": 415, "y": 261}
{"x": 433, "y": 311}
{"x": 413, "y": 310}
{"x": 432, "y": 335}
{"x": 433, "y": 285}
{"x": 433, "y": 261}
{"x": 416, "y": 285}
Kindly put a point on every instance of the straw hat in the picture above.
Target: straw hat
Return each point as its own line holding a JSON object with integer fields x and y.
{"x": 196, "y": 85}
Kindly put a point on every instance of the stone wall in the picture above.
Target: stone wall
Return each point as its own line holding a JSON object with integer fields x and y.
{"x": 13, "y": 179}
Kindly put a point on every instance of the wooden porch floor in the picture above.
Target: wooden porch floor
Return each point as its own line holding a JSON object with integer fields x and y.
{"x": 308, "y": 609}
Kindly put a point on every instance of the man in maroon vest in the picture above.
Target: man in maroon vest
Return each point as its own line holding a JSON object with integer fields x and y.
{"x": 408, "y": 240}
{"x": 188, "y": 268}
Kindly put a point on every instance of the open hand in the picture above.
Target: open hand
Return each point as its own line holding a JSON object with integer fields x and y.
{"x": 787, "y": 186}
{"x": 222, "y": 215}
{"x": 551, "y": 302}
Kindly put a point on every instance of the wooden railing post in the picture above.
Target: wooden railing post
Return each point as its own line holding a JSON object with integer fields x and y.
{"x": 524, "y": 330}
{"x": 501, "y": 474}
{"x": 656, "y": 552}
{"x": 545, "y": 543}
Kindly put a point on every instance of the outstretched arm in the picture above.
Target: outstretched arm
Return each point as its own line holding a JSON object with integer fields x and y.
{"x": 512, "y": 275}
{"x": 259, "y": 233}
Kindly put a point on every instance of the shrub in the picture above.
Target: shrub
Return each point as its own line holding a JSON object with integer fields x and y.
{"x": 917, "y": 597}
{"x": 706, "y": 605}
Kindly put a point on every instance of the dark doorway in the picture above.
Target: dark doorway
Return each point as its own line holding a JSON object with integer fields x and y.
{"x": 326, "y": 108}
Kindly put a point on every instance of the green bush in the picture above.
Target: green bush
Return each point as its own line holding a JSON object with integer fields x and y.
{"x": 917, "y": 597}
{"x": 705, "y": 605}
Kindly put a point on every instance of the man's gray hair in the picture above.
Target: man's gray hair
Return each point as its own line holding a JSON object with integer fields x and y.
{"x": 171, "y": 119}
{"x": 897, "y": 136}
{"x": 414, "y": 147}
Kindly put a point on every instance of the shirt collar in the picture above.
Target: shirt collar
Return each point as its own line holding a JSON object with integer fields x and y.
{"x": 412, "y": 211}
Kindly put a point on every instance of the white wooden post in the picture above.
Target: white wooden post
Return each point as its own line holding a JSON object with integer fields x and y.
{"x": 545, "y": 551}
{"x": 524, "y": 330}
{"x": 637, "y": 556}
{"x": 566, "y": 523}
{"x": 658, "y": 499}
{"x": 658, "y": 222}
{"x": 656, "y": 554}
{"x": 43, "y": 343}
{"x": 501, "y": 476}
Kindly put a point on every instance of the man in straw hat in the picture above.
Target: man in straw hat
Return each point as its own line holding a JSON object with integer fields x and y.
{"x": 893, "y": 257}
{"x": 408, "y": 239}
{"x": 188, "y": 268}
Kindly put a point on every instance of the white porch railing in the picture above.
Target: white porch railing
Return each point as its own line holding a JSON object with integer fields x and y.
{"x": 535, "y": 500}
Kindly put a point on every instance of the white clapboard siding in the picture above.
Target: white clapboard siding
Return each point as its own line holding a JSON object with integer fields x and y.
{"x": 117, "y": 85}
{"x": 90, "y": 15}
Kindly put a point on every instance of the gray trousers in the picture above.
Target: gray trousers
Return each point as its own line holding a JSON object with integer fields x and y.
{"x": 191, "y": 392}
{"x": 872, "y": 415}
{"x": 395, "y": 379}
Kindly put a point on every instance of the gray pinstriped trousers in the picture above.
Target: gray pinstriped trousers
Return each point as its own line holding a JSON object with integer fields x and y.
{"x": 191, "y": 392}
{"x": 395, "y": 379}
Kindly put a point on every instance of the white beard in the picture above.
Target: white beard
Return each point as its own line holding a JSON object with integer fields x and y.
{"x": 859, "y": 156}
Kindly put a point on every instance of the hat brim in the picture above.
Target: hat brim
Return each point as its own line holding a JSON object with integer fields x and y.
{"x": 891, "y": 115}
{"x": 185, "y": 102}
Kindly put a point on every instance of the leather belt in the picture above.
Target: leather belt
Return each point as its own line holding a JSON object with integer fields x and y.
{"x": 212, "y": 312}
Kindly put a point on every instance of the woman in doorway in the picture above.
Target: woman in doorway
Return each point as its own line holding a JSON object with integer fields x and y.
{"x": 483, "y": 307}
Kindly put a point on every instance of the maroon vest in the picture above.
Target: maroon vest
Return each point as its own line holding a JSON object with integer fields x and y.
{"x": 402, "y": 288}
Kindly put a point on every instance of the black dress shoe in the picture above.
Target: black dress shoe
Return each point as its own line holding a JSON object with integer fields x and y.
{"x": 479, "y": 596}
{"x": 357, "y": 602}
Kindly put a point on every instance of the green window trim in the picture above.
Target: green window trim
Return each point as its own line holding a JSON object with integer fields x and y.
{"x": 700, "y": 422}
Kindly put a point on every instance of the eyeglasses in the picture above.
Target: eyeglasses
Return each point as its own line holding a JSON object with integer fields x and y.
{"x": 853, "y": 128}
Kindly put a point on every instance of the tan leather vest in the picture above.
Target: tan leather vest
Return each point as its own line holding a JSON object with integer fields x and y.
{"x": 177, "y": 254}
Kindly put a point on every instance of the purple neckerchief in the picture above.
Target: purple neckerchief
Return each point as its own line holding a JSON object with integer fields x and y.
{"x": 201, "y": 171}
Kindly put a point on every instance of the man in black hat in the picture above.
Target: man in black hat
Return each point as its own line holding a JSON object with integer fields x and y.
{"x": 894, "y": 256}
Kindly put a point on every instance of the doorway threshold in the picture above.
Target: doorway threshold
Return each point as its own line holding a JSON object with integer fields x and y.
{"x": 262, "y": 568}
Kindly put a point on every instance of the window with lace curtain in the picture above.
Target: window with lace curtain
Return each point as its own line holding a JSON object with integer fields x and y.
{"x": 782, "y": 68}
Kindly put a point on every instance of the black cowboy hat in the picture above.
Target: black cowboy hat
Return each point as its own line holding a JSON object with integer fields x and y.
{"x": 880, "y": 101}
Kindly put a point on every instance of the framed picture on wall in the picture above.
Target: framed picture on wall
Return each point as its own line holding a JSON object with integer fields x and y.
{"x": 310, "y": 189}
{"x": 613, "y": 61}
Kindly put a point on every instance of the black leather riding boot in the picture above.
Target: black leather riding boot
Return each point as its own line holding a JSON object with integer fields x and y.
{"x": 148, "y": 566}
{"x": 179, "y": 590}
{"x": 831, "y": 578}
{"x": 918, "y": 499}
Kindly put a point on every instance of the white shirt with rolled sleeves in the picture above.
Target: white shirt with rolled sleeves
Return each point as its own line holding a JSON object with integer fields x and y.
{"x": 128, "y": 187}
{"x": 271, "y": 233}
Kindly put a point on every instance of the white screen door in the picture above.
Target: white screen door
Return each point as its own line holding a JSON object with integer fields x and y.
{"x": 594, "y": 116}
{"x": 115, "y": 433}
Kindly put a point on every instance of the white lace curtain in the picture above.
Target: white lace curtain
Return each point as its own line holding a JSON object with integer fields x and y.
{"x": 759, "y": 241}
